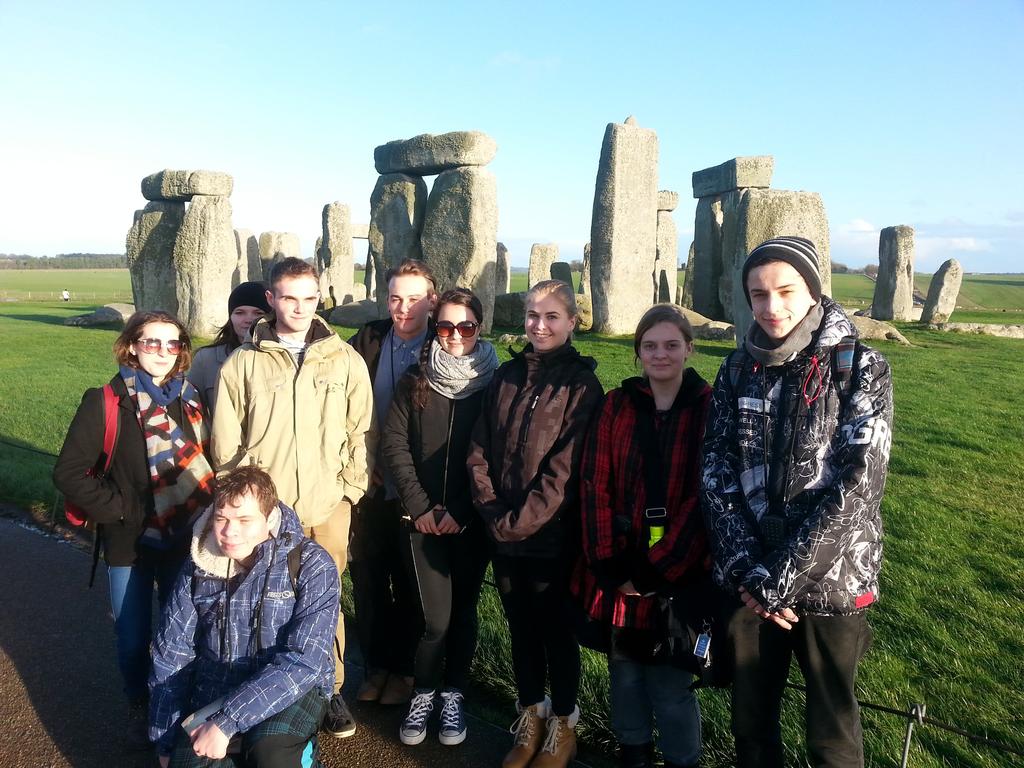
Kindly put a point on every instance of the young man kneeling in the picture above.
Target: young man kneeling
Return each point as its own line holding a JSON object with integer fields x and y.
{"x": 247, "y": 635}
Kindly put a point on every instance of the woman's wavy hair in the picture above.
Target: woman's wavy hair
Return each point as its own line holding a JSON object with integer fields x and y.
{"x": 133, "y": 329}
{"x": 462, "y": 297}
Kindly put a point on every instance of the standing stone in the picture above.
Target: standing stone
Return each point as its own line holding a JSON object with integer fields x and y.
{"x": 370, "y": 277}
{"x": 460, "y": 233}
{"x": 685, "y": 296}
{"x": 943, "y": 292}
{"x": 585, "y": 274}
{"x": 205, "y": 255}
{"x": 248, "y": 252}
{"x": 503, "y": 272}
{"x": 334, "y": 254}
{"x": 427, "y": 154}
{"x": 761, "y": 215}
{"x": 542, "y": 256}
{"x": 275, "y": 247}
{"x": 150, "y": 250}
{"x": 667, "y": 264}
{"x": 397, "y": 206}
{"x": 894, "y": 286}
{"x": 738, "y": 173}
{"x": 665, "y": 293}
{"x": 562, "y": 270}
{"x": 624, "y": 227}
{"x": 182, "y": 186}
{"x": 680, "y": 296}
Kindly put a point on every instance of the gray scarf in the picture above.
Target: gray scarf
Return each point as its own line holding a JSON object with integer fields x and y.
{"x": 459, "y": 377}
{"x": 765, "y": 350}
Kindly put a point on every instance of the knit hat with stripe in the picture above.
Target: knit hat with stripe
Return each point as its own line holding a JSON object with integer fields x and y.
{"x": 798, "y": 252}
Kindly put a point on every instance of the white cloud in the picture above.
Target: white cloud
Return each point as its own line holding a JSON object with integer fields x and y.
{"x": 858, "y": 227}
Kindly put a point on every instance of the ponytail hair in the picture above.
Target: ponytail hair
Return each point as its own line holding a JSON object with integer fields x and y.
{"x": 462, "y": 297}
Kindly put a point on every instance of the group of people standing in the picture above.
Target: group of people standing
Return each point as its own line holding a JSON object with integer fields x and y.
{"x": 411, "y": 457}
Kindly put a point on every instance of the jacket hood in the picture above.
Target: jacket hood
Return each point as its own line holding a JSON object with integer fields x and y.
{"x": 564, "y": 354}
{"x": 835, "y": 325}
{"x": 693, "y": 387}
{"x": 263, "y": 335}
{"x": 211, "y": 560}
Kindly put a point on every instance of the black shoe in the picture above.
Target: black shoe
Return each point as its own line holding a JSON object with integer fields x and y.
{"x": 636, "y": 755}
{"x": 339, "y": 721}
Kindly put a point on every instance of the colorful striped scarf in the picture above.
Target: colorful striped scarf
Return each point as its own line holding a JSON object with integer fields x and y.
{"x": 179, "y": 474}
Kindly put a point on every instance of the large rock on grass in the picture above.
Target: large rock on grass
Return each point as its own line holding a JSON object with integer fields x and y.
{"x": 987, "y": 329}
{"x": 275, "y": 247}
{"x": 510, "y": 310}
{"x": 869, "y": 329}
{"x": 502, "y": 272}
{"x": 247, "y": 250}
{"x": 562, "y": 270}
{"x": 334, "y": 254}
{"x": 205, "y": 256}
{"x": 397, "y": 206}
{"x": 150, "y": 254}
{"x": 542, "y": 256}
{"x": 623, "y": 234}
{"x": 943, "y": 292}
{"x": 894, "y": 286}
{"x": 184, "y": 185}
{"x": 460, "y": 233}
{"x": 108, "y": 314}
{"x": 427, "y": 154}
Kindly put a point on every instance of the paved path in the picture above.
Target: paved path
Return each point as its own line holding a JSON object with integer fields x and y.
{"x": 60, "y": 696}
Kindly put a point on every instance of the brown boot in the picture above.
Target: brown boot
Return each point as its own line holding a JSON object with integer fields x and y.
{"x": 397, "y": 690}
{"x": 373, "y": 685}
{"x": 559, "y": 743}
{"x": 528, "y": 734}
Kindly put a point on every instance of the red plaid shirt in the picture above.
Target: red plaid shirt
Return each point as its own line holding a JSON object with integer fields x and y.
{"x": 614, "y": 498}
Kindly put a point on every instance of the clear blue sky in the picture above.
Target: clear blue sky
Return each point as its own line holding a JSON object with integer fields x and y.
{"x": 896, "y": 112}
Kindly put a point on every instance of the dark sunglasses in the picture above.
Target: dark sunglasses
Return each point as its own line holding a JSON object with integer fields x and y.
{"x": 152, "y": 346}
{"x": 467, "y": 329}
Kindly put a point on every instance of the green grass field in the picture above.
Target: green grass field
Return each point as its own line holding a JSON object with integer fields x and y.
{"x": 949, "y": 631}
{"x": 100, "y": 285}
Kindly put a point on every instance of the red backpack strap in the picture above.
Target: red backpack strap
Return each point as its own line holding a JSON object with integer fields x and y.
{"x": 110, "y": 403}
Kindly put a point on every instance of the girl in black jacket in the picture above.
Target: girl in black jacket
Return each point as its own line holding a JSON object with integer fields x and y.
{"x": 424, "y": 444}
{"x": 524, "y": 471}
{"x": 158, "y": 477}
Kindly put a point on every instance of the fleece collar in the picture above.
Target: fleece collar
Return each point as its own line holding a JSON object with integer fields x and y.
{"x": 207, "y": 554}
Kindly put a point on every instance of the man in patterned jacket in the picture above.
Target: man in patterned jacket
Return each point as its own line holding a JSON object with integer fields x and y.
{"x": 795, "y": 457}
{"x": 247, "y": 638}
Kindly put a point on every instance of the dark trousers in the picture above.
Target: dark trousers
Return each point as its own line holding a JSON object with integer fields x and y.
{"x": 828, "y": 649}
{"x": 387, "y": 609}
{"x": 535, "y": 595}
{"x": 448, "y": 572}
{"x": 280, "y": 741}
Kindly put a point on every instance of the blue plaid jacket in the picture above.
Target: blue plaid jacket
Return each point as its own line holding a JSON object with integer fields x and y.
{"x": 207, "y": 645}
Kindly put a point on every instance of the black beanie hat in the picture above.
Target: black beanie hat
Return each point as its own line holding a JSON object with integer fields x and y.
{"x": 798, "y": 252}
{"x": 248, "y": 295}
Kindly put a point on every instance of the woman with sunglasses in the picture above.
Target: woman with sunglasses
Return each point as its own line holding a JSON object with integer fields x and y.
{"x": 158, "y": 477}
{"x": 424, "y": 444}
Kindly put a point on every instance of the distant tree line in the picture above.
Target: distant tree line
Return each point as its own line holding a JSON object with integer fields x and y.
{"x": 64, "y": 261}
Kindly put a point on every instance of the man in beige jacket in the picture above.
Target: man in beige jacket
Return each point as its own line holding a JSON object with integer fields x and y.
{"x": 296, "y": 400}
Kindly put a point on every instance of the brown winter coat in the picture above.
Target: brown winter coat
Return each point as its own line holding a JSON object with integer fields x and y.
{"x": 525, "y": 452}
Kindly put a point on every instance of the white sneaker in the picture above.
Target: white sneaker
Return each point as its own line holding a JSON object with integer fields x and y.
{"x": 453, "y": 723}
{"x": 414, "y": 727}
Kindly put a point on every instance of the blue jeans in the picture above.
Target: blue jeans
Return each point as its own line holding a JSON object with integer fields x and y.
{"x": 643, "y": 693}
{"x": 131, "y": 601}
